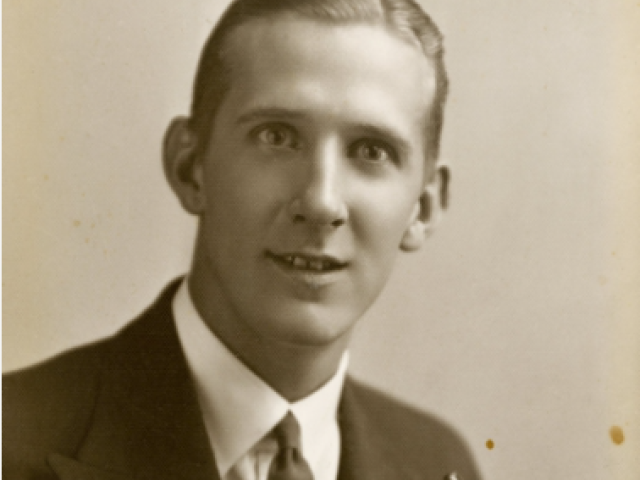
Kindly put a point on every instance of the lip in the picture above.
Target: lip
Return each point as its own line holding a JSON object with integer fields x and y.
{"x": 316, "y": 263}
{"x": 319, "y": 270}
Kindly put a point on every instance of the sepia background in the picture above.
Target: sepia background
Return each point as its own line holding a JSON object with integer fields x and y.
{"x": 520, "y": 320}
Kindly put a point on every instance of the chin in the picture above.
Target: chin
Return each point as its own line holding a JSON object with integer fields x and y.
{"x": 309, "y": 325}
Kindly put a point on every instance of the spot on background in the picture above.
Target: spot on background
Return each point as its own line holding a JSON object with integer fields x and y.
{"x": 617, "y": 435}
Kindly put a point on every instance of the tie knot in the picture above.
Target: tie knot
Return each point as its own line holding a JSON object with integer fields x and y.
{"x": 289, "y": 464}
{"x": 287, "y": 432}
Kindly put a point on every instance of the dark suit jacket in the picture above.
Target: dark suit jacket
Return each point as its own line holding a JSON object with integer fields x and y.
{"x": 125, "y": 408}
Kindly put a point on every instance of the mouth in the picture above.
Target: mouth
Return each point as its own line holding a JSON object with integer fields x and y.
{"x": 308, "y": 263}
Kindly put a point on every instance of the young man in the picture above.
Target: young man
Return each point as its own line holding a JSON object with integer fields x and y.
{"x": 311, "y": 159}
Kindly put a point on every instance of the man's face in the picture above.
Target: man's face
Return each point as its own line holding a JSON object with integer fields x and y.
{"x": 313, "y": 175}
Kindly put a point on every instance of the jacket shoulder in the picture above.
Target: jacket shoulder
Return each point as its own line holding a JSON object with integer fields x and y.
{"x": 46, "y": 407}
{"x": 417, "y": 438}
{"x": 51, "y": 406}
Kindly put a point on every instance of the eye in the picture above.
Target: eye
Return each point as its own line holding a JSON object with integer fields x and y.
{"x": 372, "y": 151}
{"x": 278, "y": 136}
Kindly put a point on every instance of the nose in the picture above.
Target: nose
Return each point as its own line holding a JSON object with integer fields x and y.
{"x": 319, "y": 200}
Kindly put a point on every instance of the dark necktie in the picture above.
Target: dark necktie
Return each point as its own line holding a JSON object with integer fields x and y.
{"x": 289, "y": 464}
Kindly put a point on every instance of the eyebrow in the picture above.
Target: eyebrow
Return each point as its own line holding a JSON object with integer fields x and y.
{"x": 397, "y": 140}
{"x": 269, "y": 113}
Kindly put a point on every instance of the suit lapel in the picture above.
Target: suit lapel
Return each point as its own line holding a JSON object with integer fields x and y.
{"x": 147, "y": 422}
{"x": 366, "y": 451}
{"x": 69, "y": 469}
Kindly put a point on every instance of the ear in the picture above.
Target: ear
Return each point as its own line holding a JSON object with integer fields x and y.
{"x": 182, "y": 166}
{"x": 428, "y": 209}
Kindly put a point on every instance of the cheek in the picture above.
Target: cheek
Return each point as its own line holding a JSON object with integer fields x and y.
{"x": 382, "y": 216}
{"x": 241, "y": 194}
{"x": 378, "y": 237}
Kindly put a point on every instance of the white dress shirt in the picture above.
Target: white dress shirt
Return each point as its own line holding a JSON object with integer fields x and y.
{"x": 240, "y": 409}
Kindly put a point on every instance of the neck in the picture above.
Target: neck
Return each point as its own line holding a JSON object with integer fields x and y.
{"x": 293, "y": 370}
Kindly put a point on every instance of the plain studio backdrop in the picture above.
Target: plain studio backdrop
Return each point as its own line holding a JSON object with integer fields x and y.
{"x": 519, "y": 320}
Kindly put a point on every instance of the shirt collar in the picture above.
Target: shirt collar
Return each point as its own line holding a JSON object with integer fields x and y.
{"x": 238, "y": 407}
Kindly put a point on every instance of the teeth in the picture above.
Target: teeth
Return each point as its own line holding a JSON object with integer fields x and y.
{"x": 314, "y": 264}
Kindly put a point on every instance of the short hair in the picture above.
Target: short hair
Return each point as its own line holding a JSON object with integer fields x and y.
{"x": 403, "y": 17}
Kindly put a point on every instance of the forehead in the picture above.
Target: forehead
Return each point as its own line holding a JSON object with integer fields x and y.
{"x": 348, "y": 65}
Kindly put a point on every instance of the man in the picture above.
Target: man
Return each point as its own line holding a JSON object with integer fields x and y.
{"x": 310, "y": 158}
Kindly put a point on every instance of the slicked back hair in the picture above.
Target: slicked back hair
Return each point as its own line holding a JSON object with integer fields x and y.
{"x": 403, "y": 17}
